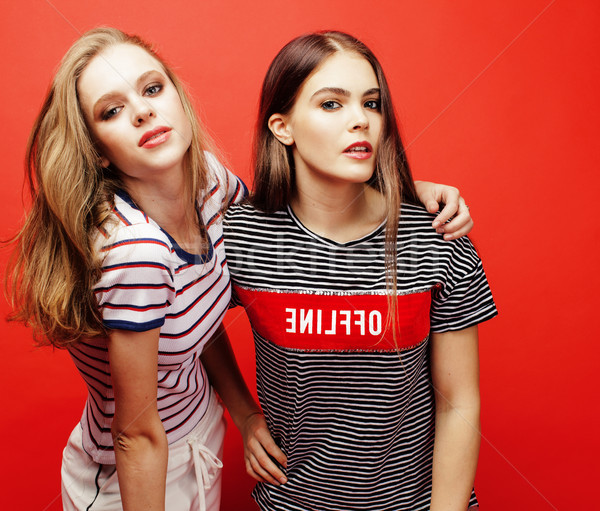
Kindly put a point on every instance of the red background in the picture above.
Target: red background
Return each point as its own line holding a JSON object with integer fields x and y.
{"x": 499, "y": 98}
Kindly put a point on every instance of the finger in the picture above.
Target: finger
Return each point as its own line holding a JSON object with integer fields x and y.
{"x": 450, "y": 197}
{"x": 432, "y": 205}
{"x": 461, "y": 222}
{"x": 253, "y": 466}
{"x": 250, "y": 471}
{"x": 263, "y": 466}
{"x": 458, "y": 223}
{"x": 460, "y": 232}
{"x": 262, "y": 463}
{"x": 450, "y": 209}
{"x": 270, "y": 469}
{"x": 273, "y": 449}
{"x": 428, "y": 196}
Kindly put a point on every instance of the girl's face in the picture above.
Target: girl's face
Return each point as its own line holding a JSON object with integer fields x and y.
{"x": 335, "y": 123}
{"x": 134, "y": 113}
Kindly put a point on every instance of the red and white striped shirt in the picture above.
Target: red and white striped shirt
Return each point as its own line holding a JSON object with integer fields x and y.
{"x": 147, "y": 282}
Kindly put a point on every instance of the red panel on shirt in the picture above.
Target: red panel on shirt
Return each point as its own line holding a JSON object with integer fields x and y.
{"x": 335, "y": 322}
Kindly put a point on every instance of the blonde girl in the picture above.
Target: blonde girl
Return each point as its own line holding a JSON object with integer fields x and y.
{"x": 121, "y": 262}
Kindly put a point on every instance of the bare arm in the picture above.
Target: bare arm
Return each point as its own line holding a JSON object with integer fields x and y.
{"x": 225, "y": 376}
{"x": 432, "y": 195}
{"x": 455, "y": 375}
{"x": 139, "y": 437}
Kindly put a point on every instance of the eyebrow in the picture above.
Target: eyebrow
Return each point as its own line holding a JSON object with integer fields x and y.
{"x": 343, "y": 92}
{"x": 110, "y": 95}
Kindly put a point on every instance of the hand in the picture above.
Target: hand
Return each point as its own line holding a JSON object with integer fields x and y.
{"x": 259, "y": 447}
{"x": 432, "y": 195}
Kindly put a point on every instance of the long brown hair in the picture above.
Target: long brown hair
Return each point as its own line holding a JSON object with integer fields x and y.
{"x": 53, "y": 267}
{"x": 274, "y": 163}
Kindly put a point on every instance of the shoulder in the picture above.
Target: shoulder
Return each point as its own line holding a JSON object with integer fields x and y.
{"x": 244, "y": 225}
{"x": 222, "y": 183}
{"x": 244, "y": 209}
{"x": 216, "y": 171}
{"x": 245, "y": 212}
{"x": 416, "y": 217}
{"x": 415, "y": 229}
{"x": 415, "y": 226}
{"x": 131, "y": 235}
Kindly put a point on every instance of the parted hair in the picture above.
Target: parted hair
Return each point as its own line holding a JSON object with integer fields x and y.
{"x": 53, "y": 267}
{"x": 274, "y": 163}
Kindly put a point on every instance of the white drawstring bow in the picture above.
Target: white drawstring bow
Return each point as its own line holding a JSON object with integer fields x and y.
{"x": 206, "y": 465}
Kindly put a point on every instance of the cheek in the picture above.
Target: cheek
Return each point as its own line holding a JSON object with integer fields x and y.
{"x": 313, "y": 147}
{"x": 316, "y": 134}
{"x": 376, "y": 129}
{"x": 188, "y": 132}
{"x": 184, "y": 126}
{"x": 170, "y": 103}
{"x": 378, "y": 124}
{"x": 111, "y": 144}
{"x": 108, "y": 145}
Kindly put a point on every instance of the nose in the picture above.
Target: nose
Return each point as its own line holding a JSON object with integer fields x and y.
{"x": 359, "y": 120}
{"x": 141, "y": 112}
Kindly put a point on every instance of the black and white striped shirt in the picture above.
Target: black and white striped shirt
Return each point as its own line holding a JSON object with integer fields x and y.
{"x": 354, "y": 416}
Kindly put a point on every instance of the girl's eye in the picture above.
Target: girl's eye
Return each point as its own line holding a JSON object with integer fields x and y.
{"x": 330, "y": 105}
{"x": 372, "y": 104}
{"x": 111, "y": 112}
{"x": 153, "y": 89}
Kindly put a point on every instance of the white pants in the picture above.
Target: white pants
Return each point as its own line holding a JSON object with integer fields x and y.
{"x": 193, "y": 473}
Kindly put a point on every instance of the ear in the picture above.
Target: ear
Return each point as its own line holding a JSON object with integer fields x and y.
{"x": 279, "y": 127}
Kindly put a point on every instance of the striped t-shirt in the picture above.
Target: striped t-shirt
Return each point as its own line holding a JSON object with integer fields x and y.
{"x": 354, "y": 417}
{"x": 147, "y": 282}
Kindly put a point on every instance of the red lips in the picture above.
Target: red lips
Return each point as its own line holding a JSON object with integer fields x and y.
{"x": 358, "y": 145}
{"x": 359, "y": 150}
{"x": 154, "y": 137}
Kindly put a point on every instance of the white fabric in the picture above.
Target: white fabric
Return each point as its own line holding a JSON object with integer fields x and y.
{"x": 193, "y": 474}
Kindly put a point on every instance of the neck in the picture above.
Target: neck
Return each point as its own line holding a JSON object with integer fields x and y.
{"x": 166, "y": 202}
{"x": 341, "y": 213}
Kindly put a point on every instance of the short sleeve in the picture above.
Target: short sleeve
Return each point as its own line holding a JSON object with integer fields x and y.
{"x": 136, "y": 287}
{"x": 230, "y": 187}
{"x": 464, "y": 299}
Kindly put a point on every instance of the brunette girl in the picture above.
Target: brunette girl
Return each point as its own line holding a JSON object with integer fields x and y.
{"x": 364, "y": 319}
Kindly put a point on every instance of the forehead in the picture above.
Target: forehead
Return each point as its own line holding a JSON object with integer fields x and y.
{"x": 114, "y": 68}
{"x": 346, "y": 70}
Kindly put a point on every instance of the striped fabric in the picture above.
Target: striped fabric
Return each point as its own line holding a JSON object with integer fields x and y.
{"x": 147, "y": 282}
{"x": 355, "y": 417}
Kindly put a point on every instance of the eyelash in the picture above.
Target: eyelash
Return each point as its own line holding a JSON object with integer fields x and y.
{"x": 376, "y": 104}
{"x": 331, "y": 104}
{"x": 108, "y": 115}
{"x": 158, "y": 86}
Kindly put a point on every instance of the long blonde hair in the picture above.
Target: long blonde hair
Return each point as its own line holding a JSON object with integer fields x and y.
{"x": 53, "y": 267}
